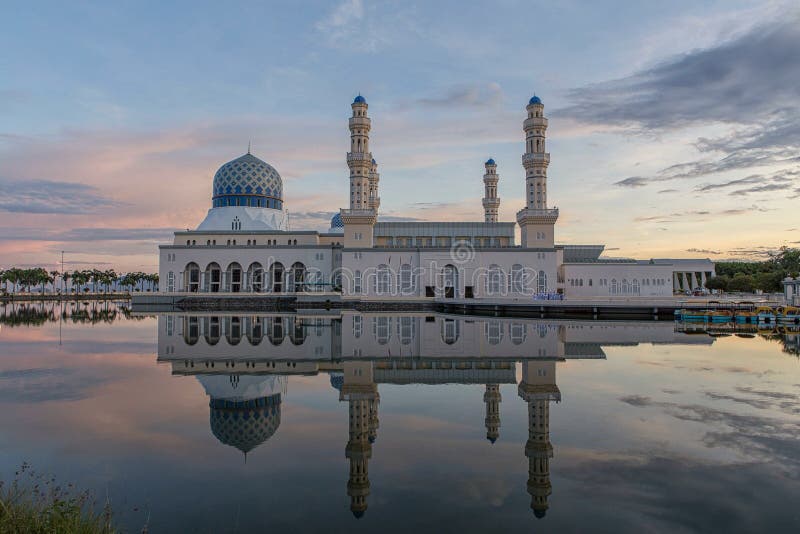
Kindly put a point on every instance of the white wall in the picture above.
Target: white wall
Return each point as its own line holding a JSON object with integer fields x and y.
{"x": 585, "y": 280}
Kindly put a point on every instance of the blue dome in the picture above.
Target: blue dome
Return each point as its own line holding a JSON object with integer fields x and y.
{"x": 534, "y": 100}
{"x": 248, "y": 181}
{"x": 374, "y": 162}
{"x": 490, "y": 161}
{"x": 359, "y": 100}
{"x": 336, "y": 221}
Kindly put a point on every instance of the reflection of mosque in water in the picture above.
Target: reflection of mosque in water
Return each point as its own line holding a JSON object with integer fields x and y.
{"x": 243, "y": 362}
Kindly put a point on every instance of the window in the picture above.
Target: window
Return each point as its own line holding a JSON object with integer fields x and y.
{"x": 357, "y": 282}
{"x": 171, "y": 281}
{"x": 406, "y": 279}
{"x": 383, "y": 280}
{"x": 541, "y": 282}
{"x": 494, "y": 280}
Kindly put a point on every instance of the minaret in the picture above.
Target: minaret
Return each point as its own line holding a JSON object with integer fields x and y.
{"x": 361, "y": 392}
{"x": 491, "y": 203}
{"x": 374, "y": 178}
{"x": 360, "y": 218}
{"x": 538, "y": 388}
{"x": 492, "y": 399}
{"x": 536, "y": 221}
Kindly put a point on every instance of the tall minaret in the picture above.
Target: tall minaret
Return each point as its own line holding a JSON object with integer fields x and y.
{"x": 492, "y": 399}
{"x": 374, "y": 178}
{"x": 538, "y": 388}
{"x": 361, "y": 392}
{"x": 536, "y": 221}
{"x": 359, "y": 159}
{"x": 490, "y": 201}
{"x": 360, "y": 219}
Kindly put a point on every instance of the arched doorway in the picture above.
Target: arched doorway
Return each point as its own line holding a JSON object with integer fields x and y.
{"x": 276, "y": 277}
{"x": 192, "y": 277}
{"x": 297, "y": 277}
{"x": 450, "y": 281}
{"x": 213, "y": 278}
{"x": 255, "y": 276}
{"x": 234, "y": 282}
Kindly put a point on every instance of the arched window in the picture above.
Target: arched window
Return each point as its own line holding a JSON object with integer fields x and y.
{"x": 614, "y": 286}
{"x": 406, "y": 281}
{"x": 626, "y": 287}
{"x": 382, "y": 329}
{"x": 518, "y": 333}
{"x": 451, "y": 330}
{"x": 518, "y": 279}
{"x": 494, "y": 280}
{"x": 358, "y": 325}
{"x": 494, "y": 332}
{"x": 406, "y": 329}
{"x": 383, "y": 280}
{"x": 357, "y": 282}
{"x": 541, "y": 285}
{"x": 276, "y": 271}
{"x": 635, "y": 289}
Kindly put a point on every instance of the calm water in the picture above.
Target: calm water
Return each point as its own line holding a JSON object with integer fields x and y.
{"x": 432, "y": 423}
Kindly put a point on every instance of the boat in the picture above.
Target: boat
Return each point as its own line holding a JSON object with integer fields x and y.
{"x": 765, "y": 314}
{"x": 788, "y": 315}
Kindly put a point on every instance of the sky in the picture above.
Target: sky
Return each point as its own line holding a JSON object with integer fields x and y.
{"x": 674, "y": 126}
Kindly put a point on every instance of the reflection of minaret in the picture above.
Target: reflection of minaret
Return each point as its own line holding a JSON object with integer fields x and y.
{"x": 492, "y": 399}
{"x": 538, "y": 388}
{"x": 361, "y": 392}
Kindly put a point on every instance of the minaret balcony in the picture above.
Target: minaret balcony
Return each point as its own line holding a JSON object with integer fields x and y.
{"x": 534, "y": 122}
{"x": 360, "y": 122}
{"x": 359, "y": 156}
{"x": 540, "y": 158}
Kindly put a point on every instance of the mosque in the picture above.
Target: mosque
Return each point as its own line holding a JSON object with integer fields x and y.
{"x": 245, "y": 243}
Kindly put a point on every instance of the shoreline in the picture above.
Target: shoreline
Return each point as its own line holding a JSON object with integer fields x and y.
{"x": 16, "y": 297}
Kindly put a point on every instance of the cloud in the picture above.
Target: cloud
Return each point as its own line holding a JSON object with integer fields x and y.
{"x": 750, "y": 82}
{"x": 743, "y": 80}
{"x": 86, "y": 234}
{"x": 489, "y": 95}
{"x": 52, "y": 197}
{"x": 695, "y": 215}
{"x": 703, "y": 251}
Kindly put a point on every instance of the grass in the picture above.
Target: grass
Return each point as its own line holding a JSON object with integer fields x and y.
{"x": 35, "y": 503}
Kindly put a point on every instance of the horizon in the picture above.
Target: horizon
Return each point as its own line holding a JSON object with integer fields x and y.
{"x": 676, "y": 137}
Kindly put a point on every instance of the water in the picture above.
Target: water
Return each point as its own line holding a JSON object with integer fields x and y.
{"x": 359, "y": 423}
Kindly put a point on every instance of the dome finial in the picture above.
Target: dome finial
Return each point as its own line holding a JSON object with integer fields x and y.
{"x": 248, "y": 146}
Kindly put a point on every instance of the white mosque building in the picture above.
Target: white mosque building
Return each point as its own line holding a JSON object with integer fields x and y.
{"x": 244, "y": 245}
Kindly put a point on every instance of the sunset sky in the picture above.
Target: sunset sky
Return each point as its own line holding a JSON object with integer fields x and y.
{"x": 674, "y": 126}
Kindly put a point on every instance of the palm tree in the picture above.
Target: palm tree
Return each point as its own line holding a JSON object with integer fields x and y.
{"x": 54, "y": 275}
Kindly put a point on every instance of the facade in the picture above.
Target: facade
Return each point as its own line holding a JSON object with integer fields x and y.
{"x": 245, "y": 245}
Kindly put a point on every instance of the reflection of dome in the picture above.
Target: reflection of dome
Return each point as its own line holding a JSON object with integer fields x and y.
{"x": 358, "y": 514}
{"x": 539, "y": 512}
{"x": 245, "y": 410}
{"x": 248, "y": 181}
{"x": 534, "y": 100}
{"x": 247, "y": 424}
{"x": 337, "y": 380}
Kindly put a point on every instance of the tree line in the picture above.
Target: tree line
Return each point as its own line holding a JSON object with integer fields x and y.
{"x": 87, "y": 280}
{"x": 748, "y": 276}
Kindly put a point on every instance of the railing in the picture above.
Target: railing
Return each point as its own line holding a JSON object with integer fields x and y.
{"x": 364, "y": 122}
{"x": 359, "y": 156}
{"x": 535, "y": 122}
{"x": 536, "y": 157}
